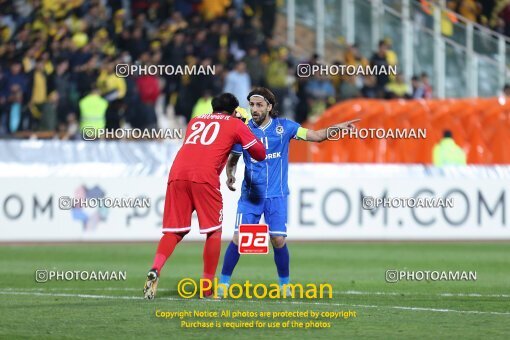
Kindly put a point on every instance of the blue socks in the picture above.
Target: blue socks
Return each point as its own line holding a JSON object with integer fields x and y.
{"x": 229, "y": 262}
{"x": 281, "y": 259}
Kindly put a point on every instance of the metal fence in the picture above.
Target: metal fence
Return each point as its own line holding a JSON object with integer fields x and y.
{"x": 462, "y": 58}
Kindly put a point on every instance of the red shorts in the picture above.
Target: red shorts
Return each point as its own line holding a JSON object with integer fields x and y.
{"x": 183, "y": 197}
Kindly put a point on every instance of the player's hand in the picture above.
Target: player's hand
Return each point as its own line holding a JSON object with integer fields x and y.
{"x": 230, "y": 183}
{"x": 349, "y": 125}
{"x": 241, "y": 114}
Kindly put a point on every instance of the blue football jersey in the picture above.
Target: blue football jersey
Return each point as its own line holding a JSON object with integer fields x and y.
{"x": 269, "y": 178}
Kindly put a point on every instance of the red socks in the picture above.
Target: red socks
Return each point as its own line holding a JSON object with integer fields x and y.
{"x": 211, "y": 255}
{"x": 165, "y": 249}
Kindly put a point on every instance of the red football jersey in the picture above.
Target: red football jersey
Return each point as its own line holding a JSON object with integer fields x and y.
{"x": 207, "y": 144}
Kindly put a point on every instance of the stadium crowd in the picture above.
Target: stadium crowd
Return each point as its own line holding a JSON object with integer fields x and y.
{"x": 493, "y": 14}
{"x": 58, "y": 60}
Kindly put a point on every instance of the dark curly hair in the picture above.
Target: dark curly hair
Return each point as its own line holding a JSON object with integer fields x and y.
{"x": 225, "y": 102}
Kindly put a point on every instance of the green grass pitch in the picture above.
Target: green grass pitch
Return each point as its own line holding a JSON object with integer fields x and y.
{"x": 115, "y": 309}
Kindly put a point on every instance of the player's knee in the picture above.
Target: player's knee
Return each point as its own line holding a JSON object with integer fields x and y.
{"x": 278, "y": 241}
{"x": 214, "y": 234}
{"x": 177, "y": 236}
{"x": 181, "y": 235}
{"x": 235, "y": 239}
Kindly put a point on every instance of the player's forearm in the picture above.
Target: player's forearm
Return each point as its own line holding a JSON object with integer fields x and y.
{"x": 232, "y": 165}
{"x": 257, "y": 151}
{"x": 330, "y": 132}
{"x": 317, "y": 135}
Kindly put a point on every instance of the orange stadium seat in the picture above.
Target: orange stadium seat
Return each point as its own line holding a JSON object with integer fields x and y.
{"x": 499, "y": 143}
{"x": 478, "y": 152}
{"x": 479, "y": 125}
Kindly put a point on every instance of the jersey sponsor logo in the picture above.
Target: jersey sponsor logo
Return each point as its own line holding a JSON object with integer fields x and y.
{"x": 253, "y": 239}
{"x": 274, "y": 155}
{"x": 279, "y": 130}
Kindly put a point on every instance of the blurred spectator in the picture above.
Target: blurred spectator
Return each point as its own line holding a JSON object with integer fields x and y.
{"x": 86, "y": 75}
{"x": 447, "y": 152}
{"x": 14, "y": 109}
{"x": 427, "y": 88}
{"x": 255, "y": 66}
{"x": 470, "y": 9}
{"x": 72, "y": 126}
{"x": 246, "y": 33}
{"x": 448, "y": 19}
{"x": 391, "y": 56}
{"x": 212, "y": 9}
{"x": 138, "y": 114}
{"x": 93, "y": 110}
{"x": 504, "y": 94}
{"x": 397, "y": 88}
{"x": 137, "y": 44}
{"x": 486, "y": 12}
{"x": 175, "y": 54}
{"x": 202, "y": 47}
{"x": 369, "y": 89}
{"x": 320, "y": 92}
{"x": 15, "y": 77}
{"x": 500, "y": 26}
{"x": 42, "y": 105}
{"x": 203, "y": 104}
{"x": 502, "y": 10}
{"x": 353, "y": 57}
{"x": 113, "y": 89}
{"x": 349, "y": 89}
{"x": 201, "y": 83}
{"x": 276, "y": 75}
{"x": 506, "y": 90}
{"x": 417, "y": 88}
{"x": 63, "y": 88}
{"x": 238, "y": 83}
{"x": 303, "y": 106}
{"x": 268, "y": 11}
{"x": 148, "y": 87}
{"x": 379, "y": 60}
{"x": 118, "y": 23}
{"x": 69, "y": 129}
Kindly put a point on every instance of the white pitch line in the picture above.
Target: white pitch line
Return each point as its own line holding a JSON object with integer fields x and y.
{"x": 355, "y": 292}
{"x": 110, "y": 289}
{"x": 347, "y": 292}
{"x": 112, "y": 297}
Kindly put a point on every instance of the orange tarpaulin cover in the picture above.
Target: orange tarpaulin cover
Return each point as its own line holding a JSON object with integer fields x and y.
{"x": 480, "y": 126}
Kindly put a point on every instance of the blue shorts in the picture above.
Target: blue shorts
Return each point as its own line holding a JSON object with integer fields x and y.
{"x": 250, "y": 210}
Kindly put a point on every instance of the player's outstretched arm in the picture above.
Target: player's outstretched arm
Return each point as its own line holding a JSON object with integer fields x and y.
{"x": 322, "y": 135}
{"x": 231, "y": 170}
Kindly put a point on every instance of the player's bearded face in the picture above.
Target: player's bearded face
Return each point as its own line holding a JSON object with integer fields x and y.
{"x": 259, "y": 110}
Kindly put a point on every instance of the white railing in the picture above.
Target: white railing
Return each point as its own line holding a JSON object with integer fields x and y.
{"x": 479, "y": 53}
